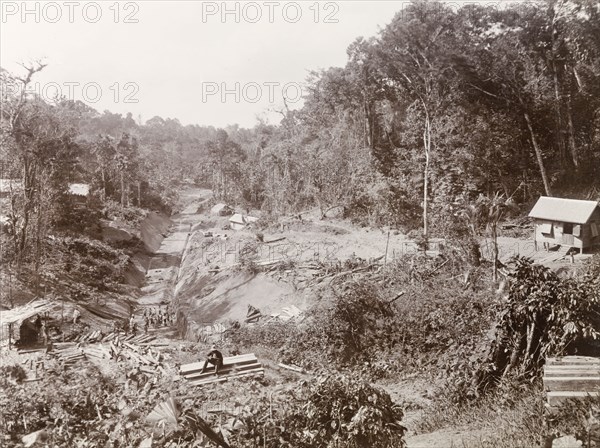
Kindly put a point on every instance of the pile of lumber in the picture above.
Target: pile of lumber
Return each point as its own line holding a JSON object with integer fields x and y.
{"x": 571, "y": 377}
{"x": 233, "y": 367}
{"x": 68, "y": 353}
{"x": 142, "y": 356}
{"x": 93, "y": 336}
{"x": 99, "y": 336}
{"x": 137, "y": 349}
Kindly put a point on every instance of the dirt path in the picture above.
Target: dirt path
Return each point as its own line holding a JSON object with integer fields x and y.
{"x": 164, "y": 266}
{"x": 448, "y": 438}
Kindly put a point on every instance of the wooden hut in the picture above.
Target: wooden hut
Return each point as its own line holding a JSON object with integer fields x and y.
{"x": 566, "y": 222}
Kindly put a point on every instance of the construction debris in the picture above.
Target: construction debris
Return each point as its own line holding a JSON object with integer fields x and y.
{"x": 253, "y": 314}
{"x": 114, "y": 346}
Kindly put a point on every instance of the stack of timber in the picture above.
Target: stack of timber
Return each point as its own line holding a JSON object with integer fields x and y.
{"x": 94, "y": 336}
{"x": 137, "y": 349}
{"x": 233, "y": 367}
{"x": 571, "y": 377}
{"x": 69, "y": 354}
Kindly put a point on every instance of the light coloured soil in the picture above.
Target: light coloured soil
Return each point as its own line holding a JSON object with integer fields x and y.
{"x": 448, "y": 438}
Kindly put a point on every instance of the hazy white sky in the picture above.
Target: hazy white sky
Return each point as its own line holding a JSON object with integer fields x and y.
{"x": 209, "y": 63}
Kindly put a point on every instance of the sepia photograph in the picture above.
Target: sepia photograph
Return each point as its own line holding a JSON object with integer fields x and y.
{"x": 300, "y": 224}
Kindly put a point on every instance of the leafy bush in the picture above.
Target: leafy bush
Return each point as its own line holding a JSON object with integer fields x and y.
{"x": 131, "y": 215}
{"x": 83, "y": 267}
{"x": 335, "y": 411}
{"x": 247, "y": 258}
{"x": 348, "y": 331}
{"x": 14, "y": 373}
{"x": 543, "y": 316}
{"x": 437, "y": 324}
{"x": 272, "y": 335}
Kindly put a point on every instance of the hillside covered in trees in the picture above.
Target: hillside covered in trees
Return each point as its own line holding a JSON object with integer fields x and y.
{"x": 442, "y": 104}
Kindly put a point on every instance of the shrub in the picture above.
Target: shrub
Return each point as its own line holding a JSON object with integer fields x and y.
{"x": 272, "y": 335}
{"x": 543, "y": 315}
{"x": 334, "y": 411}
{"x": 349, "y": 330}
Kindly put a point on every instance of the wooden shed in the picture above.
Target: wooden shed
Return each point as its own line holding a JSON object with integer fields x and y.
{"x": 566, "y": 222}
{"x": 239, "y": 221}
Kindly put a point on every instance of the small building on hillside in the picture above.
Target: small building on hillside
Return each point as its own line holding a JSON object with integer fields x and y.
{"x": 79, "y": 193}
{"x": 566, "y": 222}
{"x": 7, "y": 186}
{"x": 82, "y": 190}
{"x": 239, "y": 221}
{"x": 221, "y": 210}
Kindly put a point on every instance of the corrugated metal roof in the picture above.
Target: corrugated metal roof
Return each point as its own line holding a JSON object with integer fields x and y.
{"x": 563, "y": 210}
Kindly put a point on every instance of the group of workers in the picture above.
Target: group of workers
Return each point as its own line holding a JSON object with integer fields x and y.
{"x": 158, "y": 318}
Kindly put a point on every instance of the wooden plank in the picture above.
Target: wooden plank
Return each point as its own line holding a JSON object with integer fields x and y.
{"x": 579, "y": 383}
{"x": 556, "y": 398}
{"x": 566, "y": 360}
{"x": 221, "y": 379}
{"x": 34, "y": 350}
{"x": 224, "y": 368}
{"x": 64, "y": 344}
{"x": 574, "y": 366}
{"x": 290, "y": 367}
{"x": 227, "y": 368}
{"x": 225, "y": 379}
{"x": 224, "y": 371}
{"x": 226, "y": 361}
{"x": 570, "y": 372}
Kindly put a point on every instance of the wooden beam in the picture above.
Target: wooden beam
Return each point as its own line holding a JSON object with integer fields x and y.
{"x": 580, "y": 383}
{"x": 223, "y": 371}
{"x": 555, "y": 398}
{"x": 221, "y": 379}
{"x": 571, "y": 372}
{"x": 197, "y": 366}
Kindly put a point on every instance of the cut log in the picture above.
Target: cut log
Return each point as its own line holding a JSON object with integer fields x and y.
{"x": 275, "y": 240}
{"x": 131, "y": 347}
{"x": 63, "y": 345}
{"x": 293, "y": 368}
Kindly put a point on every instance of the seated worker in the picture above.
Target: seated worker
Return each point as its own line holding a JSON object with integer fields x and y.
{"x": 215, "y": 357}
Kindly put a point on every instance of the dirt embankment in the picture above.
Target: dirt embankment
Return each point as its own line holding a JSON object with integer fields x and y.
{"x": 153, "y": 230}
